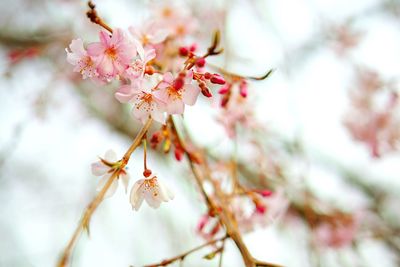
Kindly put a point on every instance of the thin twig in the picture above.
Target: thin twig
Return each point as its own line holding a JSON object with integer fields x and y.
{"x": 182, "y": 256}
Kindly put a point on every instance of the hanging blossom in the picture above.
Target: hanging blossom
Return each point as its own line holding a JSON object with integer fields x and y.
{"x": 112, "y": 54}
{"x": 105, "y": 167}
{"x": 178, "y": 91}
{"x": 152, "y": 190}
{"x": 146, "y": 102}
{"x": 78, "y": 56}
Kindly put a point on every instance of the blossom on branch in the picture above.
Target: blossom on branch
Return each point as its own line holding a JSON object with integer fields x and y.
{"x": 112, "y": 54}
{"x": 106, "y": 167}
{"x": 78, "y": 56}
{"x": 152, "y": 190}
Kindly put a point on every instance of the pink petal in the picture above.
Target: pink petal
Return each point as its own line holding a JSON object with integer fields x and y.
{"x": 95, "y": 49}
{"x": 190, "y": 94}
{"x": 98, "y": 168}
{"x": 158, "y": 115}
{"x": 104, "y": 38}
{"x": 125, "y": 93}
{"x": 168, "y": 77}
{"x": 175, "y": 107}
{"x": 106, "y": 67}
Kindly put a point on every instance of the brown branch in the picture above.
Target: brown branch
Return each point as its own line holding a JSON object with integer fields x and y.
{"x": 91, "y": 208}
{"x": 183, "y": 255}
{"x": 225, "y": 215}
{"x": 94, "y": 17}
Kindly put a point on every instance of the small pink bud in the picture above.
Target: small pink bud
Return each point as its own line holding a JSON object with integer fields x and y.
{"x": 265, "y": 193}
{"x": 243, "y": 88}
{"x": 225, "y": 89}
{"x": 193, "y": 47}
{"x": 207, "y": 75}
{"x": 200, "y": 62}
{"x": 260, "y": 208}
{"x": 217, "y": 79}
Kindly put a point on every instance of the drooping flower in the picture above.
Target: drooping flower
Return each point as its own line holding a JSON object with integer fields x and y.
{"x": 146, "y": 102}
{"x": 112, "y": 54}
{"x": 138, "y": 66}
{"x": 78, "y": 56}
{"x": 150, "y": 189}
{"x": 105, "y": 167}
{"x": 178, "y": 91}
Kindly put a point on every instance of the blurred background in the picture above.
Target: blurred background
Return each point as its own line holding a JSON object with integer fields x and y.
{"x": 54, "y": 125}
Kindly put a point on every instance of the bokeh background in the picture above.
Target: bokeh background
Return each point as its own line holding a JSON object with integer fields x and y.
{"x": 53, "y": 125}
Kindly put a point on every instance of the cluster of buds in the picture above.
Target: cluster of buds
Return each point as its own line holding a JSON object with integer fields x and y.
{"x": 226, "y": 90}
{"x": 166, "y": 137}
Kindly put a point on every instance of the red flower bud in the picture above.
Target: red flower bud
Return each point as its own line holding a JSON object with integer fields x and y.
{"x": 146, "y": 173}
{"x": 183, "y": 51}
{"x": 178, "y": 83}
{"x": 225, "y": 89}
{"x": 179, "y": 153}
{"x": 217, "y": 79}
{"x": 200, "y": 62}
{"x": 243, "y": 88}
{"x": 260, "y": 208}
{"x": 207, "y": 75}
{"x": 193, "y": 47}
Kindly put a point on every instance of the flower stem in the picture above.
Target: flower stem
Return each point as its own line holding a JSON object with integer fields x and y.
{"x": 90, "y": 209}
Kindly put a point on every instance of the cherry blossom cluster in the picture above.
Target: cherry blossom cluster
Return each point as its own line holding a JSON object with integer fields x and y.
{"x": 373, "y": 118}
{"x": 159, "y": 74}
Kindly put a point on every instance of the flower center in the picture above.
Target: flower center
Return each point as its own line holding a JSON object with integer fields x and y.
{"x": 111, "y": 52}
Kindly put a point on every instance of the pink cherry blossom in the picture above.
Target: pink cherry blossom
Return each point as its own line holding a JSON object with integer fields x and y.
{"x": 178, "y": 92}
{"x": 152, "y": 190}
{"x": 146, "y": 102}
{"x": 112, "y": 54}
{"x": 338, "y": 232}
{"x": 138, "y": 67}
{"x": 150, "y": 33}
{"x": 105, "y": 168}
{"x": 78, "y": 57}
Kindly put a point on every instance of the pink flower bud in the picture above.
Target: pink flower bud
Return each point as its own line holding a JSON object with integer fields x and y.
{"x": 260, "y": 208}
{"x": 200, "y": 62}
{"x": 225, "y": 89}
{"x": 217, "y": 79}
{"x": 193, "y": 47}
{"x": 243, "y": 88}
{"x": 207, "y": 75}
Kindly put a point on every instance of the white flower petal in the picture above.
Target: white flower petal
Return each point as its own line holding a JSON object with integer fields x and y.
{"x": 125, "y": 180}
{"x": 113, "y": 187}
{"x": 110, "y": 156}
{"x": 136, "y": 196}
{"x": 98, "y": 168}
